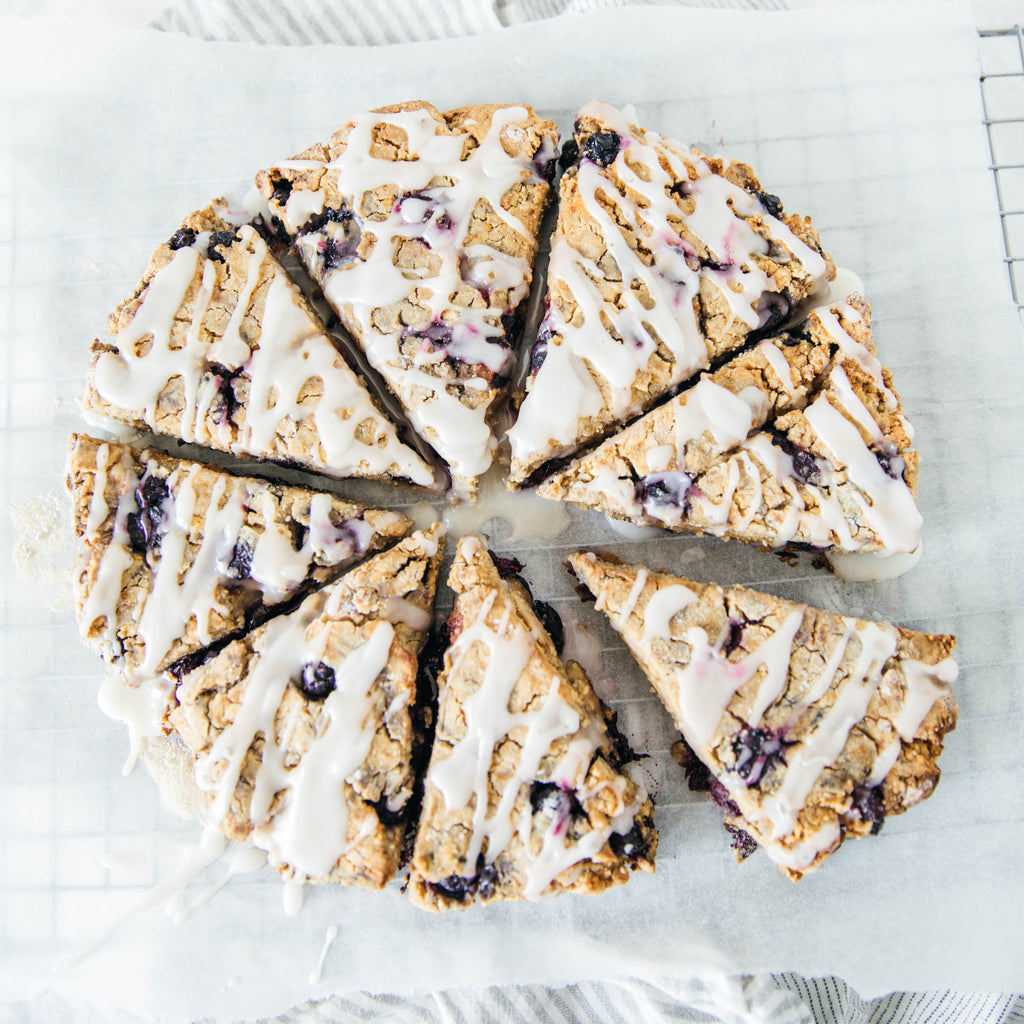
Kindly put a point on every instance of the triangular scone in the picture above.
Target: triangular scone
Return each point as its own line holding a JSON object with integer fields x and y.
{"x": 642, "y": 473}
{"x": 837, "y": 476}
{"x": 421, "y": 228}
{"x": 816, "y": 725}
{"x": 824, "y": 462}
{"x": 524, "y": 796}
{"x": 662, "y": 261}
{"x": 179, "y": 555}
{"x": 303, "y": 730}
{"x": 219, "y": 346}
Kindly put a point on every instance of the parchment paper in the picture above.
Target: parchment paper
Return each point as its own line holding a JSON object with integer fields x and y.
{"x": 867, "y": 119}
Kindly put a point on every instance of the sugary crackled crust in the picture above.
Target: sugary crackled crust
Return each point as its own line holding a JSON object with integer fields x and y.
{"x": 218, "y": 346}
{"x": 760, "y": 687}
{"x": 585, "y": 794}
{"x": 276, "y": 794}
{"x": 178, "y": 555}
{"x": 663, "y": 260}
{"x": 425, "y": 255}
{"x": 687, "y": 434}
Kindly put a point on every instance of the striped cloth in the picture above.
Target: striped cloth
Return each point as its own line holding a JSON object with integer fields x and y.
{"x": 779, "y": 999}
{"x": 774, "y": 999}
{"x": 357, "y": 23}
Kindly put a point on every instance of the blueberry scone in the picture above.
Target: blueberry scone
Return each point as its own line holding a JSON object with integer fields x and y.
{"x": 799, "y": 442}
{"x": 642, "y": 473}
{"x": 836, "y": 474}
{"x": 303, "y": 731}
{"x": 219, "y": 347}
{"x": 813, "y": 726}
{"x": 421, "y": 229}
{"x": 663, "y": 261}
{"x": 524, "y": 795}
{"x": 179, "y": 555}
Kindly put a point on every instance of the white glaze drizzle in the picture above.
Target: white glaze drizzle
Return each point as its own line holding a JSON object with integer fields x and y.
{"x": 318, "y": 968}
{"x": 710, "y": 680}
{"x": 460, "y": 434}
{"x": 290, "y": 348}
{"x": 310, "y": 831}
{"x": 612, "y": 344}
{"x": 98, "y": 507}
{"x": 194, "y": 858}
{"x": 777, "y": 361}
{"x": 525, "y": 513}
{"x": 180, "y": 592}
{"x": 141, "y": 706}
{"x": 808, "y": 759}
{"x": 925, "y": 684}
{"x": 884, "y": 504}
{"x": 462, "y": 776}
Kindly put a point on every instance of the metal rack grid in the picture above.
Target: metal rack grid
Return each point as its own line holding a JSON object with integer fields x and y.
{"x": 1001, "y": 51}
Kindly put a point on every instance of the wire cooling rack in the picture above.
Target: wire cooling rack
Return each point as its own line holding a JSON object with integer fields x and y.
{"x": 1001, "y": 51}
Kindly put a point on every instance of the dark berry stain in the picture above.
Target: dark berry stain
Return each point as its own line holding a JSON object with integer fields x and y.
{"x": 218, "y": 239}
{"x": 773, "y": 204}
{"x": 570, "y": 154}
{"x": 757, "y": 751}
{"x": 868, "y": 805}
{"x": 552, "y": 622}
{"x": 891, "y": 463}
{"x": 462, "y": 888}
{"x": 805, "y": 466}
{"x": 742, "y": 842}
{"x": 144, "y": 525}
{"x": 338, "y": 232}
{"x": 545, "y": 168}
{"x": 512, "y": 323}
{"x": 630, "y": 846}
{"x": 282, "y": 189}
{"x": 225, "y": 382}
{"x": 556, "y": 803}
{"x": 663, "y": 490}
{"x": 181, "y": 238}
{"x": 506, "y": 566}
{"x": 239, "y": 566}
{"x": 721, "y": 799}
{"x": 539, "y": 352}
{"x": 698, "y": 778}
{"x": 336, "y": 254}
{"x": 317, "y": 680}
{"x": 735, "y": 637}
{"x": 772, "y": 309}
{"x": 385, "y": 815}
{"x": 602, "y": 147}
